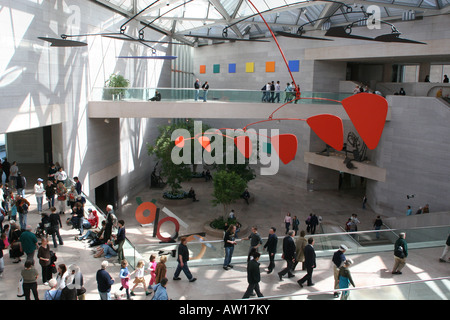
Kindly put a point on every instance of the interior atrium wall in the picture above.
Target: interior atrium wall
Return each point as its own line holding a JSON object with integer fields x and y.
{"x": 50, "y": 86}
{"x": 321, "y": 63}
{"x": 415, "y": 151}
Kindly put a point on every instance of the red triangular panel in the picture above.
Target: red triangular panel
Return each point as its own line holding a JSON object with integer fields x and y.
{"x": 205, "y": 142}
{"x": 368, "y": 112}
{"x": 286, "y": 146}
{"x": 179, "y": 142}
{"x": 244, "y": 145}
{"x": 329, "y": 128}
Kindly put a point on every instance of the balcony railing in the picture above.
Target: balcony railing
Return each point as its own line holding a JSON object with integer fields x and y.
{"x": 212, "y": 253}
{"x": 428, "y": 289}
{"x": 217, "y": 95}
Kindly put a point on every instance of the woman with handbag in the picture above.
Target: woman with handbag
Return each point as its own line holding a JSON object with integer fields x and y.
{"x": 72, "y": 197}
{"x": 61, "y": 197}
{"x": 44, "y": 260}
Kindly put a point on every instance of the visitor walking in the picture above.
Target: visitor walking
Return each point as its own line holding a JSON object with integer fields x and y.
{"x": 161, "y": 290}
{"x": 338, "y": 261}
{"x": 400, "y": 254}
{"x": 253, "y": 276}
{"x": 345, "y": 279}
{"x": 139, "y": 277}
{"x": 310, "y": 263}
{"x": 295, "y": 224}
{"x": 377, "y": 224}
{"x": 446, "y": 249}
{"x": 28, "y": 242}
{"x": 124, "y": 275}
{"x": 152, "y": 270}
{"x": 183, "y": 258}
{"x": 300, "y": 245}
{"x": 161, "y": 270}
{"x": 288, "y": 255}
{"x": 55, "y": 224}
{"x": 313, "y": 223}
{"x": 271, "y": 246}
{"x": 104, "y": 282}
{"x": 287, "y": 221}
{"x": 277, "y": 92}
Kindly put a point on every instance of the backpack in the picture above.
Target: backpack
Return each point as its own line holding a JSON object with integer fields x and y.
{"x": 398, "y": 252}
{"x": 22, "y": 207}
{"x": 53, "y": 259}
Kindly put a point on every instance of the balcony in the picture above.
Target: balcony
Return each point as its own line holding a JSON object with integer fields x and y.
{"x": 226, "y": 103}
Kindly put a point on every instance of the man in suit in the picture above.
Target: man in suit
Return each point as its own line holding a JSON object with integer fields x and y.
{"x": 271, "y": 246}
{"x": 253, "y": 276}
{"x": 310, "y": 263}
{"x": 288, "y": 255}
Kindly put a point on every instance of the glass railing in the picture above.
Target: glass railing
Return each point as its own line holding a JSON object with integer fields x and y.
{"x": 129, "y": 251}
{"x": 216, "y": 95}
{"x": 429, "y": 289}
{"x": 204, "y": 252}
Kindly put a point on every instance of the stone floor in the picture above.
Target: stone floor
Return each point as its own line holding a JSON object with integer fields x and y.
{"x": 268, "y": 209}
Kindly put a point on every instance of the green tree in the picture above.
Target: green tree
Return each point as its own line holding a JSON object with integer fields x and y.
{"x": 162, "y": 149}
{"x": 228, "y": 187}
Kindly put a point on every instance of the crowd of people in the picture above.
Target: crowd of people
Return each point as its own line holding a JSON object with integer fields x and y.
{"x": 365, "y": 88}
{"x": 420, "y": 210}
{"x": 21, "y": 239}
{"x": 106, "y": 235}
{"x": 272, "y": 92}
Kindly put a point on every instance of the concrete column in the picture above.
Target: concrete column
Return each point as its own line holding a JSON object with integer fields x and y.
{"x": 387, "y": 72}
{"x": 424, "y": 70}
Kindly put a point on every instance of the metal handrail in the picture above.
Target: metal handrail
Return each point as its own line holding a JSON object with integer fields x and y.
{"x": 349, "y": 289}
{"x": 311, "y": 235}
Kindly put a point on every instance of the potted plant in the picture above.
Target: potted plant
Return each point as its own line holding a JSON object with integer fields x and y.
{"x": 119, "y": 83}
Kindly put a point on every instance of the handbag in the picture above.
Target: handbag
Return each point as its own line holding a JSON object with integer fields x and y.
{"x": 20, "y": 292}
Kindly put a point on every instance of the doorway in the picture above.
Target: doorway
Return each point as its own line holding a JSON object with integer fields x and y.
{"x": 107, "y": 193}
{"x": 349, "y": 181}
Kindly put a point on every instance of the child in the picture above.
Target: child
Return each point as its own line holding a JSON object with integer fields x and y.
{"x": 152, "y": 269}
{"x": 4, "y": 236}
{"x": 139, "y": 277}
{"x": 124, "y": 277}
{"x": 345, "y": 279}
{"x": 161, "y": 269}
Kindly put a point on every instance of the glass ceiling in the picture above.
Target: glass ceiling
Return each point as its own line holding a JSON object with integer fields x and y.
{"x": 239, "y": 18}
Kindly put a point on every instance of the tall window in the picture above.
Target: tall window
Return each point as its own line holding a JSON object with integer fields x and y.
{"x": 410, "y": 73}
{"x": 437, "y": 72}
